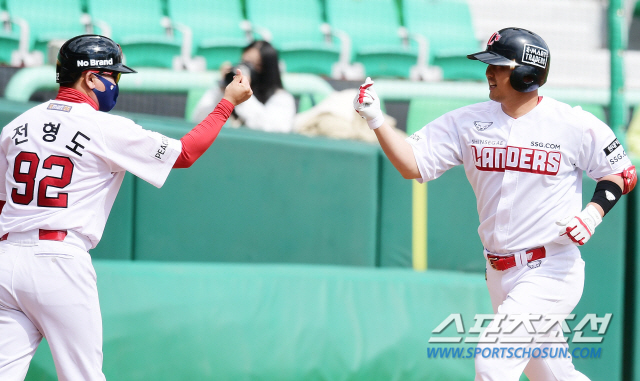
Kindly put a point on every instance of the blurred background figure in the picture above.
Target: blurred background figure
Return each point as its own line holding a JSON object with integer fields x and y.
{"x": 271, "y": 108}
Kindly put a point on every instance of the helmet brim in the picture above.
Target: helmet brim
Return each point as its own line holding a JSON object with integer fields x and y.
{"x": 492, "y": 58}
{"x": 120, "y": 68}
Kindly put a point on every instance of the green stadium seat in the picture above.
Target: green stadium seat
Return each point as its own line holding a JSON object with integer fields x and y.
{"x": 424, "y": 110}
{"x": 448, "y": 26}
{"x": 295, "y": 28}
{"x": 47, "y": 21}
{"x": 138, "y": 27}
{"x": 374, "y": 26}
{"x": 217, "y": 28}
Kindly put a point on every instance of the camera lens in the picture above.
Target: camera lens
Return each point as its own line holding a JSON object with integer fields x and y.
{"x": 229, "y": 77}
{"x": 244, "y": 67}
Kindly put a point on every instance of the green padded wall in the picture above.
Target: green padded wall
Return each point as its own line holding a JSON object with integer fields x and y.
{"x": 117, "y": 239}
{"x": 395, "y": 217}
{"x": 263, "y": 197}
{"x": 203, "y": 321}
{"x": 452, "y": 224}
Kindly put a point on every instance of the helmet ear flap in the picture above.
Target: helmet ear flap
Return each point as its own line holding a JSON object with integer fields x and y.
{"x": 524, "y": 79}
{"x": 64, "y": 75}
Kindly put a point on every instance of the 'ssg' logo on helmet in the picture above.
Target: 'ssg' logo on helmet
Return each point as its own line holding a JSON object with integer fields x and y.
{"x": 494, "y": 37}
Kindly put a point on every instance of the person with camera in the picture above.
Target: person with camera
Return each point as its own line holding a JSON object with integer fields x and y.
{"x": 271, "y": 108}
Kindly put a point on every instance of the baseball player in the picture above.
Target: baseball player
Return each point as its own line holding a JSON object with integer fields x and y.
{"x": 61, "y": 166}
{"x": 524, "y": 156}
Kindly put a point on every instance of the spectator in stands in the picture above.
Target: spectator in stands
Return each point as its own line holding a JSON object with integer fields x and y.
{"x": 271, "y": 108}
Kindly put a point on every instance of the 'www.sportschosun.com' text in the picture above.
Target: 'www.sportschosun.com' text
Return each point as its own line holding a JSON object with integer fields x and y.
{"x": 513, "y": 352}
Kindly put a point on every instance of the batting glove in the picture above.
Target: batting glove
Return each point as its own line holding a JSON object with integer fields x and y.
{"x": 581, "y": 227}
{"x": 367, "y": 104}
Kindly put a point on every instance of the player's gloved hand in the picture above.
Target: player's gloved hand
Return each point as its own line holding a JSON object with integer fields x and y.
{"x": 367, "y": 104}
{"x": 581, "y": 227}
{"x": 238, "y": 90}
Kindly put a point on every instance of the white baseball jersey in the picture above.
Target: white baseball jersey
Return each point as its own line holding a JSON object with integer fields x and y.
{"x": 527, "y": 172}
{"x": 64, "y": 162}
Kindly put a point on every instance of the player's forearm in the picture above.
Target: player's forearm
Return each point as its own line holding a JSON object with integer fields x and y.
{"x": 609, "y": 190}
{"x": 398, "y": 151}
{"x": 615, "y": 179}
{"x": 200, "y": 138}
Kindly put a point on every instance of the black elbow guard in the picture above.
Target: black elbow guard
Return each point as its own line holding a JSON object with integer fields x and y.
{"x": 606, "y": 195}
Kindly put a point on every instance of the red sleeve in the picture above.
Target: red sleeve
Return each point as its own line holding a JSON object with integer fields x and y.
{"x": 200, "y": 138}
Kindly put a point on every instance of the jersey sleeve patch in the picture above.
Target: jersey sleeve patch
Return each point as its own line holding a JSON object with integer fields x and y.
{"x": 611, "y": 147}
{"x": 615, "y": 153}
{"x": 160, "y": 148}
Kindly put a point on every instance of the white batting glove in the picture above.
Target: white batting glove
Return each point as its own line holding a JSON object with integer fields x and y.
{"x": 581, "y": 227}
{"x": 367, "y": 104}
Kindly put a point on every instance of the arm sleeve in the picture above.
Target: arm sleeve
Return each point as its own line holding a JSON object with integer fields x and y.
{"x": 274, "y": 116}
{"x": 601, "y": 153}
{"x": 436, "y": 148}
{"x": 200, "y": 138}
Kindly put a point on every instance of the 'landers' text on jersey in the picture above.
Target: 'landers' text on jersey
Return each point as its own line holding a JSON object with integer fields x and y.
{"x": 508, "y": 158}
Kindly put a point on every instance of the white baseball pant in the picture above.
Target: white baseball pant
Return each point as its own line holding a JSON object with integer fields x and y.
{"x": 555, "y": 287}
{"x": 48, "y": 289}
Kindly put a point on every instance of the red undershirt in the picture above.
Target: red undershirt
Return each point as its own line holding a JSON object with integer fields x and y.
{"x": 194, "y": 143}
{"x": 69, "y": 94}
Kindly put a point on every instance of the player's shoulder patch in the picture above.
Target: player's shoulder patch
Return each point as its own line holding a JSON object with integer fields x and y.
{"x": 59, "y": 107}
{"x": 615, "y": 154}
{"x": 611, "y": 147}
